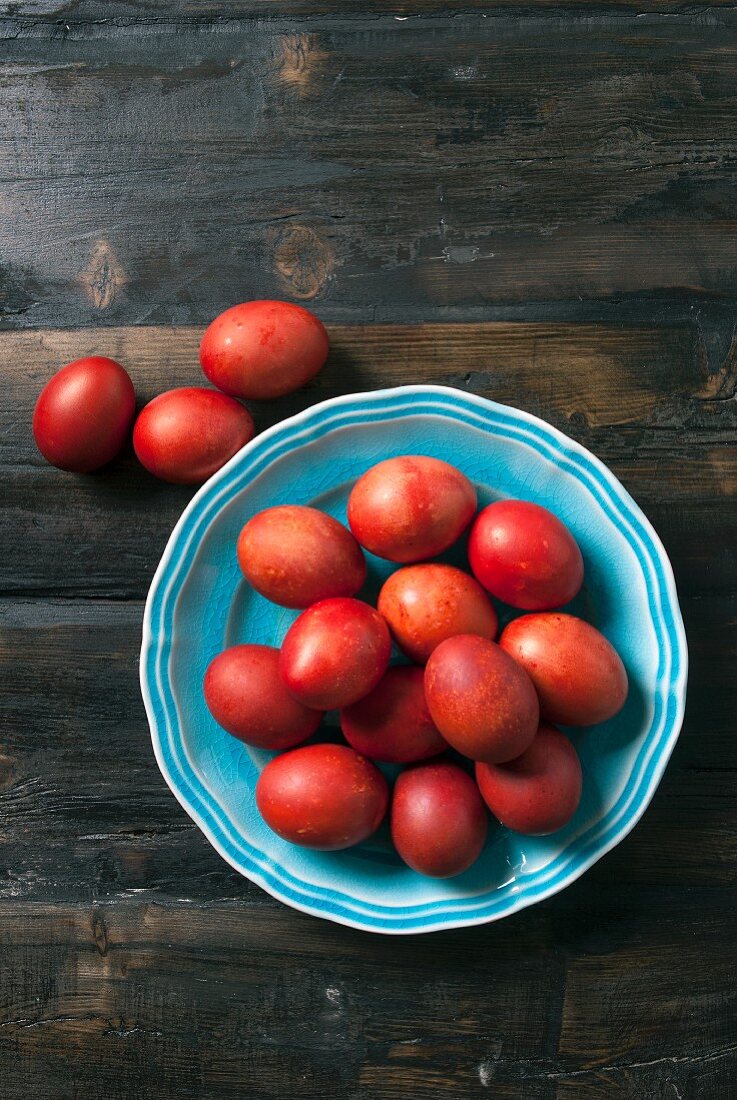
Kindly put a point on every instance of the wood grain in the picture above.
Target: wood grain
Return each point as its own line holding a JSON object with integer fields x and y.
{"x": 644, "y": 400}
{"x": 64, "y": 15}
{"x": 133, "y": 954}
{"x": 530, "y": 164}
{"x": 240, "y": 1002}
{"x": 132, "y": 951}
{"x": 86, "y": 815}
{"x": 534, "y": 203}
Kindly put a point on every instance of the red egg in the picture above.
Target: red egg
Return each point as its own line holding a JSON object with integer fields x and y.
{"x": 296, "y": 555}
{"x": 525, "y": 556}
{"x": 392, "y": 723}
{"x": 438, "y": 819}
{"x": 425, "y": 604}
{"x": 263, "y": 349}
{"x": 84, "y": 413}
{"x": 409, "y": 508}
{"x": 245, "y": 695}
{"x": 335, "y": 653}
{"x": 322, "y": 796}
{"x": 482, "y": 701}
{"x": 578, "y": 674}
{"x": 538, "y": 792}
{"x": 185, "y": 435}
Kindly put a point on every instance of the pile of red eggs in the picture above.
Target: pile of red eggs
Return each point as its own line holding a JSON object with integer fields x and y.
{"x": 464, "y": 698}
{"x": 255, "y": 350}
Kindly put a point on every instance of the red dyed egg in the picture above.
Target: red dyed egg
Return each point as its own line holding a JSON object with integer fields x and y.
{"x": 84, "y": 413}
{"x": 411, "y": 507}
{"x": 538, "y": 792}
{"x": 185, "y": 435}
{"x": 263, "y": 349}
{"x": 335, "y": 653}
{"x": 296, "y": 555}
{"x": 245, "y": 695}
{"x": 525, "y": 556}
{"x": 393, "y": 723}
{"x": 425, "y": 604}
{"x": 578, "y": 675}
{"x": 322, "y": 796}
{"x": 438, "y": 819}
{"x": 482, "y": 701}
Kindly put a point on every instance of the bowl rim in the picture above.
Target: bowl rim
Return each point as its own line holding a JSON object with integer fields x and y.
{"x": 365, "y": 915}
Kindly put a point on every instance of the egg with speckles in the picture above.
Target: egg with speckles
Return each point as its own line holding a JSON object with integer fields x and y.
{"x": 263, "y": 349}
{"x": 578, "y": 674}
{"x": 322, "y": 796}
{"x": 427, "y": 603}
{"x": 295, "y": 555}
{"x": 411, "y": 507}
{"x": 481, "y": 700}
{"x": 335, "y": 653}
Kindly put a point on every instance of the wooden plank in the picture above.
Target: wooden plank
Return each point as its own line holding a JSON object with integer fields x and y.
{"x": 505, "y": 160}
{"x": 230, "y": 1003}
{"x": 645, "y": 1040}
{"x": 598, "y": 374}
{"x": 640, "y": 398}
{"x": 234, "y": 1003}
{"x": 458, "y": 160}
{"x": 86, "y": 815}
{"x": 85, "y": 812}
{"x": 69, "y": 13}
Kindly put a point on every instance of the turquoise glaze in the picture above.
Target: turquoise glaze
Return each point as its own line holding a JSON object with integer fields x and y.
{"x": 199, "y": 603}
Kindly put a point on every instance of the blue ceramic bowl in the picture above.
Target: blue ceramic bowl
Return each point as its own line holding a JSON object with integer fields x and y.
{"x": 199, "y": 604}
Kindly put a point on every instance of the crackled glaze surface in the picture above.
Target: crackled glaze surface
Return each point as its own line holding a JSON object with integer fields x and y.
{"x": 199, "y": 603}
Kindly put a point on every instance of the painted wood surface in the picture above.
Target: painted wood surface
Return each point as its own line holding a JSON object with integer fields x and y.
{"x": 536, "y": 204}
{"x": 495, "y": 162}
{"x": 133, "y": 954}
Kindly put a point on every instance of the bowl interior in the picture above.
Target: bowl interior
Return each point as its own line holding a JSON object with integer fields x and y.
{"x": 205, "y": 605}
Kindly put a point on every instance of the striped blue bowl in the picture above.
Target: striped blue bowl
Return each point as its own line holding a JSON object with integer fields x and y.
{"x": 199, "y": 604}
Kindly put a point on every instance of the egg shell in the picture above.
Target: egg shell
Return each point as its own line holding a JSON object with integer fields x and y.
{"x": 578, "y": 675}
{"x": 539, "y": 792}
{"x": 438, "y": 819}
{"x": 524, "y": 555}
{"x": 335, "y": 653}
{"x": 322, "y": 796}
{"x": 393, "y": 723}
{"x": 481, "y": 700}
{"x": 295, "y": 556}
{"x": 263, "y": 349}
{"x": 409, "y": 508}
{"x": 246, "y": 696}
{"x": 185, "y": 435}
{"x": 427, "y": 603}
{"x": 84, "y": 413}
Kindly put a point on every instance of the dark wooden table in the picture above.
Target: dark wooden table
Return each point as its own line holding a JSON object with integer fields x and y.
{"x": 536, "y": 203}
